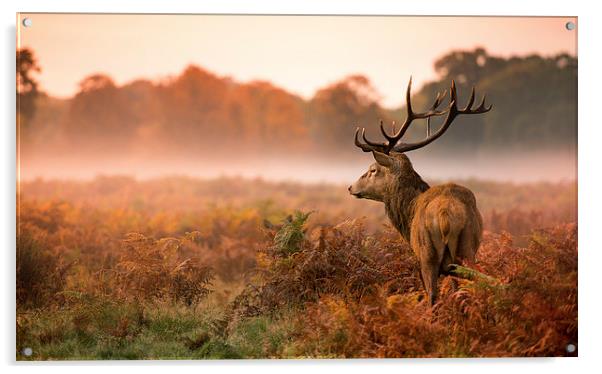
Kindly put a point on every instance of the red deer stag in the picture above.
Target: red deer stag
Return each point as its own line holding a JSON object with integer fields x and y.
{"x": 441, "y": 223}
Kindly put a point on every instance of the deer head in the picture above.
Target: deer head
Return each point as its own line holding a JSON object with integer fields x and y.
{"x": 391, "y": 164}
{"x": 377, "y": 182}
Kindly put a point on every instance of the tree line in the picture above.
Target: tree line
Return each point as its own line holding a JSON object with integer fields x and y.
{"x": 197, "y": 111}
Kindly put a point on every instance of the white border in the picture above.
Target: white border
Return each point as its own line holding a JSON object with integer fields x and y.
{"x": 590, "y": 169}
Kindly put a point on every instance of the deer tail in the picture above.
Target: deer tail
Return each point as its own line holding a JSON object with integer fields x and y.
{"x": 452, "y": 219}
{"x": 444, "y": 225}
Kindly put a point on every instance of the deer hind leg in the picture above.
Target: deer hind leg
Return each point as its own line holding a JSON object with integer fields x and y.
{"x": 468, "y": 244}
{"x": 449, "y": 255}
{"x": 430, "y": 277}
{"x": 430, "y": 263}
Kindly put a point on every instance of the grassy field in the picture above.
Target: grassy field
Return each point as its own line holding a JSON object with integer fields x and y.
{"x": 178, "y": 268}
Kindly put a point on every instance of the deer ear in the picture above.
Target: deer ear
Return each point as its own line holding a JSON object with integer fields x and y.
{"x": 383, "y": 159}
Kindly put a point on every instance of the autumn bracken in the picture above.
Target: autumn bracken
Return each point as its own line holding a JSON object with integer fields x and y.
{"x": 122, "y": 269}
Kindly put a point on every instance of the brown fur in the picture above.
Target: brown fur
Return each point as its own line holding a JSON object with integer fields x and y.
{"x": 441, "y": 223}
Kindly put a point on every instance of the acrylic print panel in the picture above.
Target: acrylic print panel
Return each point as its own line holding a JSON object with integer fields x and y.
{"x": 189, "y": 187}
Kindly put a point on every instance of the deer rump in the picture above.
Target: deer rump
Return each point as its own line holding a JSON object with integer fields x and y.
{"x": 446, "y": 230}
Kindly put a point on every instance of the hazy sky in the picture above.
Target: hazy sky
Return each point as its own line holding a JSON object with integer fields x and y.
{"x": 298, "y": 53}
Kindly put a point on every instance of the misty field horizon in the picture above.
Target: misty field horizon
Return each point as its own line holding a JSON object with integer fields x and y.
{"x": 531, "y": 167}
{"x": 198, "y": 123}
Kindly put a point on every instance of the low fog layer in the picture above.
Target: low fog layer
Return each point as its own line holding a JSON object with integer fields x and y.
{"x": 532, "y": 167}
{"x": 199, "y": 124}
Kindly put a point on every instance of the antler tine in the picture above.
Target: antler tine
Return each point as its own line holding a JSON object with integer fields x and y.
{"x": 434, "y": 107}
{"x": 369, "y": 142}
{"x": 409, "y": 101}
{"x": 481, "y": 108}
{"x": 438, "y": 99}
{"x": 357, "y": 141}
{"x": 368, "y": 146}
{"x": 384, "y": 132}
{"x": 364, "y": 147}
{"x": 470, "y": 101}
{"x": 452, "y": 92}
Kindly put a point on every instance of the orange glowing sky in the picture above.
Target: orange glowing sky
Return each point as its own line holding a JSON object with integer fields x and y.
{"x": 298, "y": 53}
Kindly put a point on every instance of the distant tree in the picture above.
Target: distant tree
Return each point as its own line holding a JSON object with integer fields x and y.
{"x": 534, "y": 101}
{"x": 194, "y": 105}
{"x": 533, "y": 97}
{"x": 204, "y": 111}
{"x": 338, "y": 109}
{"x": 27, "y": 86}
{"x": 268, "y": 118}
{"x": 96, "y": 82}
{"x": 467, "y": 66}
{"x": 100, "y": 113}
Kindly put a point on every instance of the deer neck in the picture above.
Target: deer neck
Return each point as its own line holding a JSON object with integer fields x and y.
{"x": 400, "y": 201}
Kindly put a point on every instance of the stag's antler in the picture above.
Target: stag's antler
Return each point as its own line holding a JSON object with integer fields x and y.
{"x": 452, "y": 111}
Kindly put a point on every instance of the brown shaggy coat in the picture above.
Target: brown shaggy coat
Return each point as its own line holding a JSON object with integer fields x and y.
{"x": 441, "y": 223}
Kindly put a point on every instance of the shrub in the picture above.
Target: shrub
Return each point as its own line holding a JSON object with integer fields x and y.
{"x": 533, "y": 313}
{"x": 339, "y": 260}
{"x": 151, "y": 269}
{"x": 41, "y": 275}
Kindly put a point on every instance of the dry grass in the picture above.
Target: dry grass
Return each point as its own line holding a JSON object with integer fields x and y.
{"x": 533, "y": 312}
{"x": 178, "y": 268}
